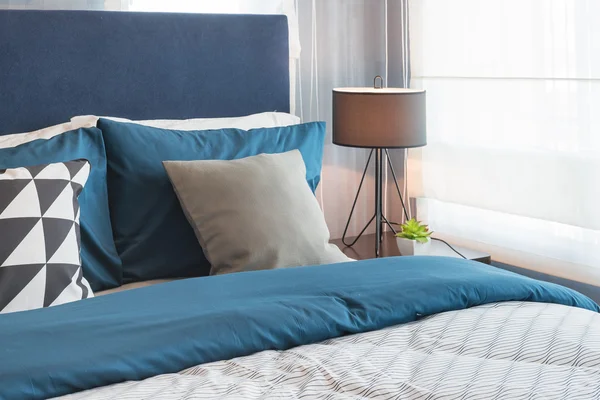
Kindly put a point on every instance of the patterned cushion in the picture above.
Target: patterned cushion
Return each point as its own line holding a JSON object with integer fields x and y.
{"x": 40, "y": 264}
{"x": 99, "y": 259}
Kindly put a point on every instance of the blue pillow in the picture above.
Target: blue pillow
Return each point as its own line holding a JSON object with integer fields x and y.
{"x": 153, "y": 237}
{"x": 100, "y": 261}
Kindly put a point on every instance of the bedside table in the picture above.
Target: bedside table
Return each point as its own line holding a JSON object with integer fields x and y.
{"x": 363, "y": 249}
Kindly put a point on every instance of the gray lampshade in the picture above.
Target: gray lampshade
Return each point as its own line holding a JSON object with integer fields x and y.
{"x": 379, "y": 117}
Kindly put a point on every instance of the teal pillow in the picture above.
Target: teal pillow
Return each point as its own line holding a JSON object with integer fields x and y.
{"x": 152, "y": 235}
{"x": 100, "y": 263}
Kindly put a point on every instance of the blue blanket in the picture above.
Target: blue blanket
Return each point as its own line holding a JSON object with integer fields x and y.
{"x": 166, "y": 328}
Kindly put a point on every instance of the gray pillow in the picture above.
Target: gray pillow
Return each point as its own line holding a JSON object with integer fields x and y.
{"x": 253, "y": 213}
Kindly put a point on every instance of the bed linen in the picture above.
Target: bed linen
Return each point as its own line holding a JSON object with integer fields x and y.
{"x": 169, "y": 327}
{"x": 100, "y": 261}
{"x": 260, "y": 120}
{"x": 15, "y": 139}
{"x": 512, "y": 350}
{"x": 134, "y": 285}
{"x": 40, "y": 263}
{"x": 153, "y": 237}
{"x": 245, "y": 232}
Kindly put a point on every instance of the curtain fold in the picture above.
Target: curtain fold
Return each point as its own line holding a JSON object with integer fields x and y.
{"x": 342, "y": 45}
{"x": 513, "y": 154}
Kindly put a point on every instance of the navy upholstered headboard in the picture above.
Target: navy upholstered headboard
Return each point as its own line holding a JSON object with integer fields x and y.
{"x": 58, "y": 64}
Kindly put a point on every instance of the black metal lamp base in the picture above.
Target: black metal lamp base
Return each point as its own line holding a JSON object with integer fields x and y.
{"x": 378, "y": 216}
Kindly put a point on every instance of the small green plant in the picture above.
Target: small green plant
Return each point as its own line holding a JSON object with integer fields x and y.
{"x": 414, "y": 230}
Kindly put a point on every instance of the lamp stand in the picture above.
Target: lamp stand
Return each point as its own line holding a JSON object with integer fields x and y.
{"x": 379, "y": 218}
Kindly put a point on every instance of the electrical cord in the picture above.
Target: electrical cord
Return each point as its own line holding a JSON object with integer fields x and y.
{"x": 450, "y": 246}
{"x": 443, "y": 241}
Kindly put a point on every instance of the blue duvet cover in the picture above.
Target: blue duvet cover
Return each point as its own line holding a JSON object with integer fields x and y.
{"x": 166, "y": 328}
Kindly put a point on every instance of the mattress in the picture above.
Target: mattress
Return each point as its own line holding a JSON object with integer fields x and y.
{"x": 511, "y": 350}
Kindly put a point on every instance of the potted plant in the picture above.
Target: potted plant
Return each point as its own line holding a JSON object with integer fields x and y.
{"x": 413, "y": 238}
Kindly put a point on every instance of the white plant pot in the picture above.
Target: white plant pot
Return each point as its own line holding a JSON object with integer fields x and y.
{"x": 409, "y": 247}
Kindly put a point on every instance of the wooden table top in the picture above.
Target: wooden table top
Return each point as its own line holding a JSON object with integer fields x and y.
{"x": 365, "y": 249}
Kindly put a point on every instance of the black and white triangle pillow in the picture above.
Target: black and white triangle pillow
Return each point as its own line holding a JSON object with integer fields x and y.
{"x": 40, "y": 264}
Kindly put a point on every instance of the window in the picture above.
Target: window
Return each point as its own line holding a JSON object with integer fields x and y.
{"x": 513, "y": 154}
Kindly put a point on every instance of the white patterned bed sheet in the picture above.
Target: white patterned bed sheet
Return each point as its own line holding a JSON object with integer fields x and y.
{"x": 513, "y": 350}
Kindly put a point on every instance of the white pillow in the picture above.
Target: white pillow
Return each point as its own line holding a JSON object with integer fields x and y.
{"x": 261, "y": 120}
{"x": 16, "y": 139}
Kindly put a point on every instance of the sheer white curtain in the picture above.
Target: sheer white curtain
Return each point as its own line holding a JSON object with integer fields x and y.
{"x": 343, "y": 44}
{"x": 53, "y": 4}
{"x": 513, "y": 154}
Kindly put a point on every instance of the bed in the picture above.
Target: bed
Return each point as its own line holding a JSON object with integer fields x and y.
{"x": 400, "y": 327}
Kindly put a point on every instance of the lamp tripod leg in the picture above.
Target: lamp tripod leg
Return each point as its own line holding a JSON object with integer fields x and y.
{"x": 378, "y": 201}
{"x": 354, "y": 206}
{"x": 406, "y": 214}
{"x": 360, "y": 234}
{"x": 388, "y": 223}
{"x": 379, "y": 218}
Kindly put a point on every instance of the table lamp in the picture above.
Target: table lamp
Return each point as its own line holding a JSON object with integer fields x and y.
{"x": 379, "y": 119}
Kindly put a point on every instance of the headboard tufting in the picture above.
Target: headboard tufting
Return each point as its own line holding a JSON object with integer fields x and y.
{"x": 58, "y": 64}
